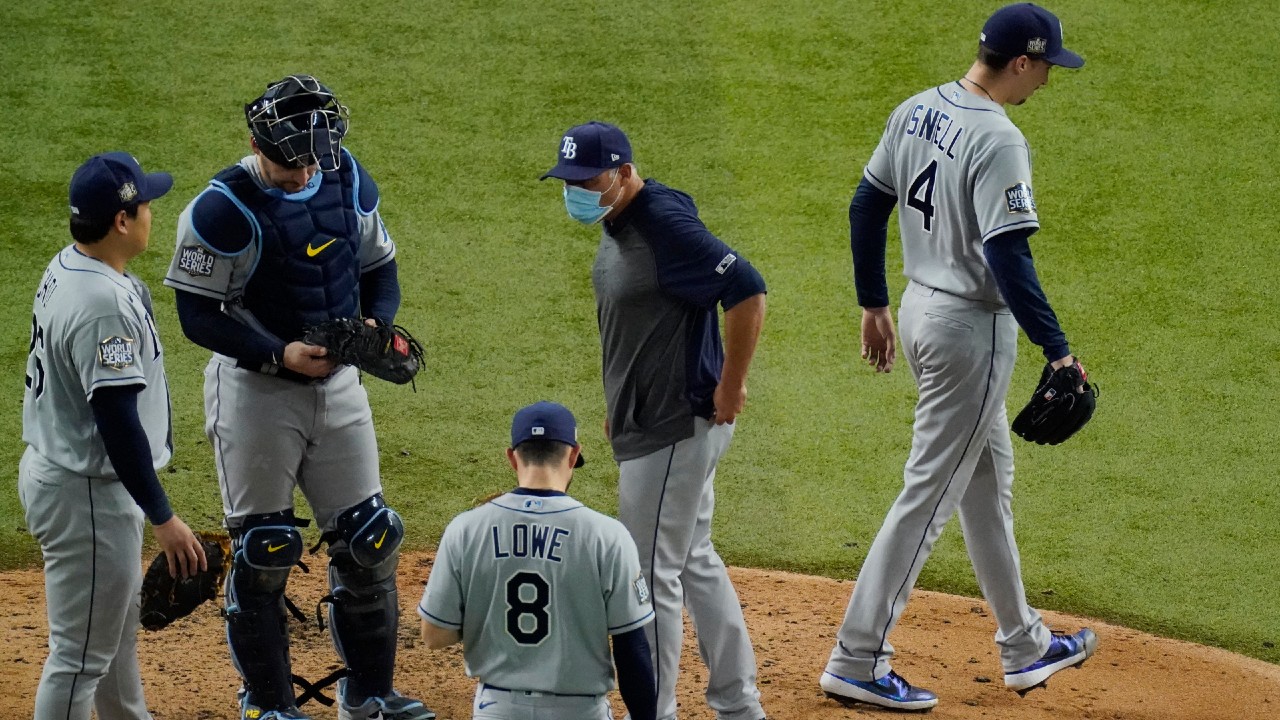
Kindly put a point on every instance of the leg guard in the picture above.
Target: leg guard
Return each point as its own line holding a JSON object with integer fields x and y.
{"x": 364, "y": 546}
{"x": 265, "y": 548}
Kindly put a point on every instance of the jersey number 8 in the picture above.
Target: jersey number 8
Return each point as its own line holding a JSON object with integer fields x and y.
{"x": 518, "y": 608}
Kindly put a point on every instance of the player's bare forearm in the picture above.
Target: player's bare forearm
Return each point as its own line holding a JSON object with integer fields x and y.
{"x": 437, "y": 637}
{"x": 742, "y": 324}
{"x": 879, "y": 338}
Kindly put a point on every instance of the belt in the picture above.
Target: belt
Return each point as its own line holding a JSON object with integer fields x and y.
{"x": 534, "y": 693}
{"x": 281, "y": 372}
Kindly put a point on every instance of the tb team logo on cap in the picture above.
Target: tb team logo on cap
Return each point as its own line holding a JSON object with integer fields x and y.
{"x": 570, "y": 148}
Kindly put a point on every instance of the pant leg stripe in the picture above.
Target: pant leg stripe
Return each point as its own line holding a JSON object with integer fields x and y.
{"x": 986, "y": 393}
{"x": 93, "y": 586}
{"x": 653, "y": 564}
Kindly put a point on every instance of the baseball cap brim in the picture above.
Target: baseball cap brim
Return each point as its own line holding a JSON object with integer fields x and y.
{"x": 157, "y": 184}
{"x": 574, "y": 173}
{"x": 1065, "y": 58}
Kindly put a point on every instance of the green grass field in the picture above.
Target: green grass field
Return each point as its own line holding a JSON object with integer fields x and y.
{"x": 1155, "y": 177}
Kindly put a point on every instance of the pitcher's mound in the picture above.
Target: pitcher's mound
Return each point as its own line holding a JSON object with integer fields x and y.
{"x": 944, "y": 644}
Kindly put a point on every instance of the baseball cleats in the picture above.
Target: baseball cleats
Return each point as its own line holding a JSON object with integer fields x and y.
{"x": 249, "y": 711}
{"x": 392, "y": 707}
{"x": 1064, "y": 651}
{"x": 891, "y": 691}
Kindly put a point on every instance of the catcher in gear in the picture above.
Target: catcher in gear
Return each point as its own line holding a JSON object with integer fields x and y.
{"x": 288, "y": 238}
{"x": 384, "y": 351}
{"x": 1062, "y": 403}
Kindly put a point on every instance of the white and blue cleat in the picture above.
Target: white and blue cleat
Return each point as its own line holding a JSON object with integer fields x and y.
{"x": 1064, "y": 651}
{"x": 891, "y": 691}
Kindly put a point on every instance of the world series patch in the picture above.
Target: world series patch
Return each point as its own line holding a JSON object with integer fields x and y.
{"x": 115, "y": 352}
{"x": 196, "y": 261}
{"x": 1019, "y": 199}
{"x": 642, "y": 590}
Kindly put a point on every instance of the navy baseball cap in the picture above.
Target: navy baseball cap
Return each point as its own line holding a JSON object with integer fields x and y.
{"x": 1028, "y": 29}
{"x": 545, "y": 421}
{"x": 590, "y": 149}
{"x": 108, "y": 183}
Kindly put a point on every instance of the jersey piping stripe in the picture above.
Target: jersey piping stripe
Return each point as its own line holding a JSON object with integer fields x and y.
{"x": 631, "y": 625}
{"x": 535, "y": 512}
{"x": 1005, "y": 228}
{"x": 879, "y": 183}
{"x": 114, "y": 279}
{"x": 953, "y": 103}
{"x": 653, "y": 555}
{"x": 986, "y": 393}
{"x": 93, "y": 587}
{"x": 438, "y": 620}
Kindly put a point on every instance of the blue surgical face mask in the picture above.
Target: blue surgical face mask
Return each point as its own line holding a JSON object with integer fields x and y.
{"x": 584, "y": 205}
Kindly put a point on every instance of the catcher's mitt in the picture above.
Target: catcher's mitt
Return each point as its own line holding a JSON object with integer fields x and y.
{"x": 384, "y": 351}
{"x": 166, "y": 598}
{"x": 1061, "y": 404}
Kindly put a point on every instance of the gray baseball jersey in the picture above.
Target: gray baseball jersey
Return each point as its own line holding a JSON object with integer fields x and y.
{"x": 91, "y": 328}
{"x": 963, "y": 172}
{"x": 537, "y": 582}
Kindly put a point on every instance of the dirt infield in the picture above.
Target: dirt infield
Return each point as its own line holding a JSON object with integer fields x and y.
{"x": 944, "y": 643}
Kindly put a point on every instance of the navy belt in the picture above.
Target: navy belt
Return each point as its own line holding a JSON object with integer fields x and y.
{"x": 535, "y": 693}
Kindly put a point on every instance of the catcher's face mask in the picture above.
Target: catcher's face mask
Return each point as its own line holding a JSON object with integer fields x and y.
{"x": 298, "y": 123}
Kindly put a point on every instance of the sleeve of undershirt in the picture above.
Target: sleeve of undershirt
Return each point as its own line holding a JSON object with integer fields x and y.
{"x": 115, "y": 411}
{"x": 204, "y": 323}
{"x": 1009, "y": 257}
{"x": 869, "y": 213}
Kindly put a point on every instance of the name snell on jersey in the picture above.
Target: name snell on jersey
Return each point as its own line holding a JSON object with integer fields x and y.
{"x": 934, "y": 127}
{"x": 529, "y": 540}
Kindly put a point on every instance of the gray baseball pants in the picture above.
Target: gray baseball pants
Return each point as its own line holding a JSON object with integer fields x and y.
{"x": 90, "y": 533}
{"x": 961, "y": 353}
{"x": 666, "y": 499}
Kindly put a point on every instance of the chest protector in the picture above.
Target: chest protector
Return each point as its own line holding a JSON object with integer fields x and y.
{"x": 308, "y": 267}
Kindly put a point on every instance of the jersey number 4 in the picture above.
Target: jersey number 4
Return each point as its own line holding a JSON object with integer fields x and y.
{"x": 920, "y": 196}
{"x": 534, "y": 609}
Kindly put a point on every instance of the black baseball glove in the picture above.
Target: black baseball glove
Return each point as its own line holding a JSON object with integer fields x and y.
{"x": 166, "y": 598}
{"x": 1061, "y": 404}
{"x": 384, "y": 351}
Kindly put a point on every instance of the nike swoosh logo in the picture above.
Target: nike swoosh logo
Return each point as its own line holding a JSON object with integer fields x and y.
{"x": 273, "y": 548}
{"x": 312, "y": 252}
{"x": 378, "y": 545}
{"x": 484, "y": 705}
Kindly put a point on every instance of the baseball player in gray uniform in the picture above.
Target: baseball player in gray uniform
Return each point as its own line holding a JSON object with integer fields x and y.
{"x": 672, "y": 391}
{"x": 289, "y": 237}
{"x": 95, "y": 418}
{"x": 535, "y": 584}
{"x": 962, "y": 172}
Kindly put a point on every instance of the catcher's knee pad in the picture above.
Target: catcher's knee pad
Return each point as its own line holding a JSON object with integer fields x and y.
{"x": 364, "y": 550}
{"x": 256, "y": 623}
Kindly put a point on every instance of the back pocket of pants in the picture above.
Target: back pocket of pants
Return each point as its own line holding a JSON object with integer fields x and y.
{"x": 949, "y": 322}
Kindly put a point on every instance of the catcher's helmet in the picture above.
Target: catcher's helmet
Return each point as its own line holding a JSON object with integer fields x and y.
{"x": 298, "y": 122}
